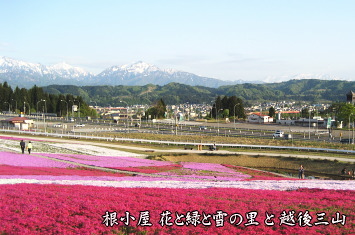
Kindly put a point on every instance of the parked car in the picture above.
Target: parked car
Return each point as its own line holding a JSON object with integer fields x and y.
{"x": 203, "y": 128}
{"x": 57, "y": 125}
{"x": 278, "y": 133}
{"x": 80, "y": 125}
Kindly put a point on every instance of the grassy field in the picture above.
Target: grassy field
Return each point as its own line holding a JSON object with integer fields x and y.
{"x": 313, "y": 167}
{"x": 233, "y": 140}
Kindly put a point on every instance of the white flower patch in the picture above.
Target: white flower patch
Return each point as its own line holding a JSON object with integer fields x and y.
{"x": 67, "y": 148}
{"x": 282, "y": 185}
{"x": 38, "y": 146}
{"x": 95, "y": 150}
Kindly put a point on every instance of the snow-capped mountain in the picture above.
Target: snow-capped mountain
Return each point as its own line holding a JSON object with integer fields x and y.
{"x": 141, "y": 73}
{"x": 25, "y": 74}
{"x": 8, "y": 66}
{"x": 67, "y": 71}
{"x": 139, "y": 67}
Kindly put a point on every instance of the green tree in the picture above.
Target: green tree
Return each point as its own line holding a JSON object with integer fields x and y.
{"x": 272, "y": 112}
{"x": 158, "y": 110}
{"x": 233, "y": 104}
{"x": 217, "y": 106}
{"x": 225, "y": 102}
{"x": 225, "y": 113}
{"x": 5, "y": 96}
{"x": 305, "y": 113}
{"x": 237, "y": 105}
{"x": 346, "y": 112}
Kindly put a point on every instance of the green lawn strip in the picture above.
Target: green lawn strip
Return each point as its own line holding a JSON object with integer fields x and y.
{"x": 291, "y": 152}
{"x": 315, "y": 167}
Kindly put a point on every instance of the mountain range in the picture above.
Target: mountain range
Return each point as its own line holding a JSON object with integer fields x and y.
{"x": 26, "y": 74}
{"x": 306, "y": 90}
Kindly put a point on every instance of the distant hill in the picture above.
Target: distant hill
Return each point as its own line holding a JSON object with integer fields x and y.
{"x": 313, "y": 90}
{"x": 310, "y": 90}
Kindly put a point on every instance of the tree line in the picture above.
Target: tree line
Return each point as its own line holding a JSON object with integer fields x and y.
{"x": 228, "y": 107}
{"x": 35, "y": 100}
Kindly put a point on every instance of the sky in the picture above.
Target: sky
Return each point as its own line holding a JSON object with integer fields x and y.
{"x": 254, "y": 40}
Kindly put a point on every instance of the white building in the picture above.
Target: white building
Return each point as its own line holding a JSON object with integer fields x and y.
{"x": 20, "y": 123}
{"x": 258, "y": 118}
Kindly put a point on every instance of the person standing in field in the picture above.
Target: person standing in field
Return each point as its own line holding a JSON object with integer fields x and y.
{"x": 23, "y": 146}
{"x": 301, "y": 172}
{"x": 29, "y": 147}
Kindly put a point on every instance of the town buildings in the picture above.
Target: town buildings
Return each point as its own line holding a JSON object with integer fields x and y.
{"x": 19, "y": 123}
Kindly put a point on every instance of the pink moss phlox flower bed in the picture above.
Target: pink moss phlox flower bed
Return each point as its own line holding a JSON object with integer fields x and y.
{"x": 17, "y": 159}
{"x": 150, "y": 169}
{"x": 58, "y": 178}
{"x": 107, "y": 161}
{"x": 57, "y": 209}
{"x": 52, "y": 173}
{"x": 208, "y": 171}
{"x": 205, "y": 171}
{"x": 136, "y": 204}
{"x": 201, "y": 174}
{"x": 207, "y": 167}
{"x": 236, "y": 177}
{"x": 18, "y": 138}
{"x": 31, "y": 170}
{"x": 188, "y": 171}
{"x": 258, "y": 175}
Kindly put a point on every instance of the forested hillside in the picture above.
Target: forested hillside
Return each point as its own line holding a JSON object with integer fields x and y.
{"x": 172, "y": 93}
{"x": 35, "y": 100}
{"x": 310, "y": 90}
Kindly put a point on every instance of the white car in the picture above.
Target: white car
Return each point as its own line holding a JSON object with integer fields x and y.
{"x": 278, "y": 133}
{"x": 80, "y": 125}
{"x": 57, "y": 125}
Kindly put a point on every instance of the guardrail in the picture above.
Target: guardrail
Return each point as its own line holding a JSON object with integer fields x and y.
{"x": 92, "y": 137}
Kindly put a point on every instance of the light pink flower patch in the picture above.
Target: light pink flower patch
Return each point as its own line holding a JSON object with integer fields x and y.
{"x": 207, "y": 167}
{"x": 17, "y": 159}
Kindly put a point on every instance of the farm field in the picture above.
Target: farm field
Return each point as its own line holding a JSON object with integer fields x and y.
{"x": 67, "y": 188}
